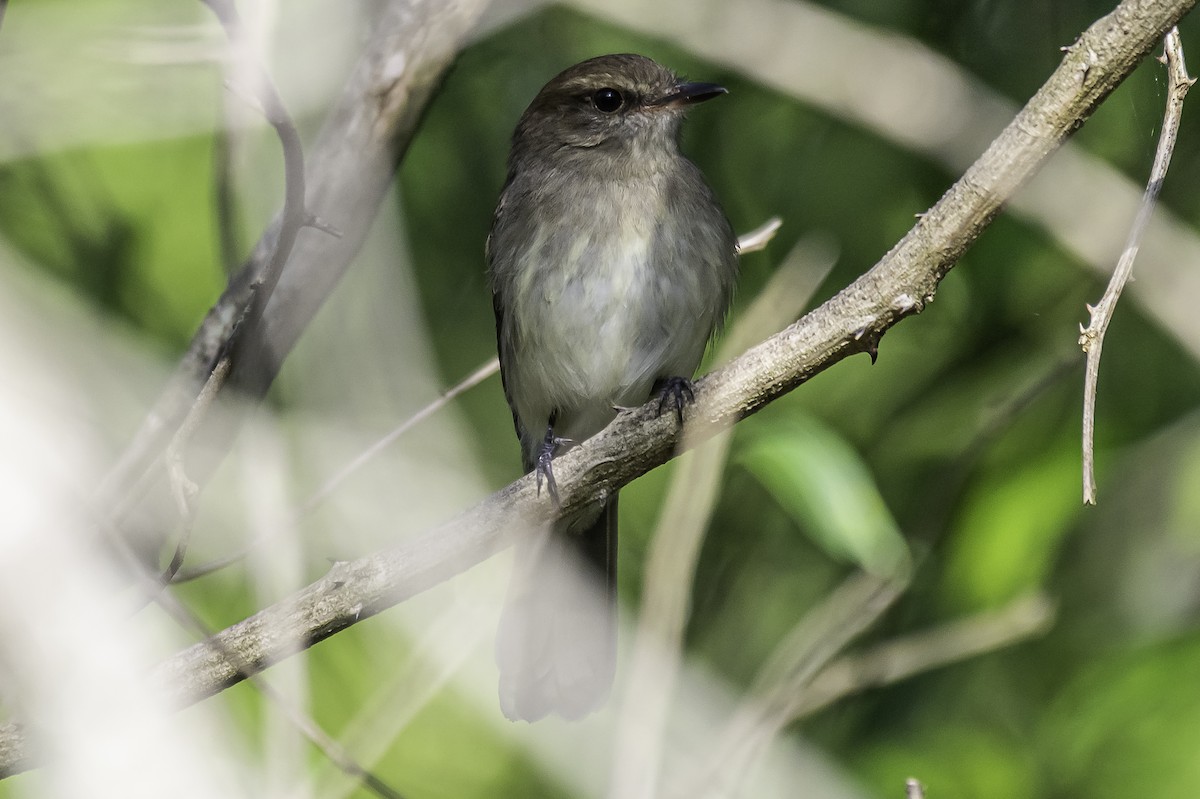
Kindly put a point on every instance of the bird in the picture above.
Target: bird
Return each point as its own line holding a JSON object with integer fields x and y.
{"x": 611, "y": 265}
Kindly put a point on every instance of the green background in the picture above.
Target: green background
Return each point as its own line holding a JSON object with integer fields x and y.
{"x": 963, "y": 438}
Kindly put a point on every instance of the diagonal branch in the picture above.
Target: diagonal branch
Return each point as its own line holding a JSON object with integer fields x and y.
{"x": 245, "y": 332}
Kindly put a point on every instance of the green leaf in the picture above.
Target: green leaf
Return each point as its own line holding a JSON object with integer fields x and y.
{"x": 823, "y": 484}
{"x": 1011, "y": 527}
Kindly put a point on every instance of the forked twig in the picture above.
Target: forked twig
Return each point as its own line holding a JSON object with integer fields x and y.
{"x": 183, "y": 489}
{"x": 1091, "y": 338}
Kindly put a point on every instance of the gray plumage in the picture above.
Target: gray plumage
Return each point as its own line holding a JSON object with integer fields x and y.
{"x": 611, "y": 263}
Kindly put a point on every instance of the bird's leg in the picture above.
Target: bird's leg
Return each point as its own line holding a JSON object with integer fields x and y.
{"x": 676, "y": 390}
{"x": 542, "y": 463}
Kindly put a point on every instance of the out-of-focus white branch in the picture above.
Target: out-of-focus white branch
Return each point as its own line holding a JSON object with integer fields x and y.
{"x": 658, "y": 647}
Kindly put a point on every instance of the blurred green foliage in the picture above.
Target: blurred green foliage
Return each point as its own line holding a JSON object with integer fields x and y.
{"x": 963, "y": 439}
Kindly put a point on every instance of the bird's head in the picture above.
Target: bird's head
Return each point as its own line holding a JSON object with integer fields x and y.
{"x": 624, "y": 103}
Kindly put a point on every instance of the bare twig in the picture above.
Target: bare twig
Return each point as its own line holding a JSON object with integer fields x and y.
{"x": 896, "y": 660}
{"x": 466, "y": 384}
{"x": 330, "y": 485}
{"x": 182, "y": 487}
{"x": 245, "y": 333}
{"x": 760, "y": 237}
{"x": 815, "y": 640}
{"x": 1092, "y": 336}
{"x": 255, "y": 79}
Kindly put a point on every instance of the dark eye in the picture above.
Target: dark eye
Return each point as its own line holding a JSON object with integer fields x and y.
{"x": 607, "y": 100}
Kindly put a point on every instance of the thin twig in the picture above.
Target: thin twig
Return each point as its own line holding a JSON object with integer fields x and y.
{"x": 182, "y": 487}
{"x": 330, "y": 485}
{"x": 760, "y": 237}
{"x": 1091, "y": 338}
{"x": 246, "y": 332}
{"x": 816, "y": 639}
{"x": 899, "y": 659}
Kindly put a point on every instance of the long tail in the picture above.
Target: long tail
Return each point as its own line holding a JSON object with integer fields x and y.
{"x": 557, "y": 642}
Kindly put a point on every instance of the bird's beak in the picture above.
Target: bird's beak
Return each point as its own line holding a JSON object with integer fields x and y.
{"x": 690, "y": 94}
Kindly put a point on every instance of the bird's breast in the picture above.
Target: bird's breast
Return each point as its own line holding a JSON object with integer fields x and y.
{"x": 606, "y": 305}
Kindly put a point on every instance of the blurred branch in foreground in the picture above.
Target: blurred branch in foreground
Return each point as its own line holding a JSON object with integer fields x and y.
{"x": 675, "y": 548}
{"x": 349, "y": 169}
{"x": 898, "y": 659}
{"x": 815, "y": 640}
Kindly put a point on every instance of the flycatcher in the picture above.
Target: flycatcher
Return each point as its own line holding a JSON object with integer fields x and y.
{"x": 611, "y": 263}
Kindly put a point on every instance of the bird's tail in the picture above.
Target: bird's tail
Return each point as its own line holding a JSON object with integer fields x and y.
{"x": 557, "y": 643}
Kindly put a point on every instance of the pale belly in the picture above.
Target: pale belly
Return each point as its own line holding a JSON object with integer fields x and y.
{"x": 610, "y": 286}
{"x": 606, "y": 324}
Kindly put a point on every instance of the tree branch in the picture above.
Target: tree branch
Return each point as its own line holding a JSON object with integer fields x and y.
{"x": 1091, "y": 338}
{"x": 242, "y": 329}
{"x": 853, "y": 321}
{"x": 348, "y": 171}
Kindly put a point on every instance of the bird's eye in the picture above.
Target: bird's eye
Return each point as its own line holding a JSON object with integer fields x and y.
{"x": 608, "y": 101}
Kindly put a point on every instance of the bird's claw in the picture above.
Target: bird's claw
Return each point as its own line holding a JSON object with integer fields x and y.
{"x": 543, "y": 468}
{"x": 677, "y": 390}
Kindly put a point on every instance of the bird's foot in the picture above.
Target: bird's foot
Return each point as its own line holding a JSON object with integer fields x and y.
{"x": 678, "y": 391}
{"x": 543, "y": 470}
